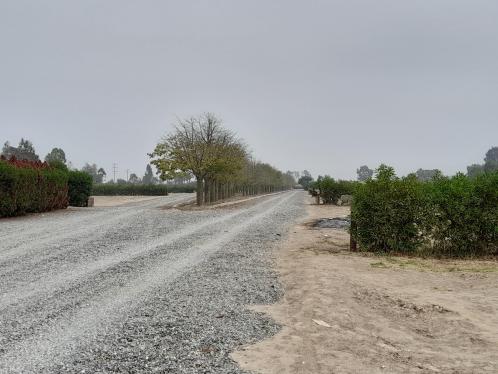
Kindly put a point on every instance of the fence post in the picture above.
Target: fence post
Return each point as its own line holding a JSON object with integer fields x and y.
{"x": 352, "y": 242}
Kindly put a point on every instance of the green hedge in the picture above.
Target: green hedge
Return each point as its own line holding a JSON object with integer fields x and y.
{"x": 110, "y": 189}
{"x": 451, "y": 217}
{"x": 181, "y": 188}
{"x": 330, "y": 190}
{"x": 80, "y": 188}
{"x": 30, "y": 188}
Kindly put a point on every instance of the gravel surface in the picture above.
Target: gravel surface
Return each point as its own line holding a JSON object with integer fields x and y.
{"x": 137, "y": 288}
{"x": 333, "y": 223}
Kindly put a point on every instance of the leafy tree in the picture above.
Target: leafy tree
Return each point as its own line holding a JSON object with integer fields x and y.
{"x": 364, "y": 173}
{"x": 491, "y": 160}
{"x": 305, "y": 181}
{"x": 24, "y": 151}
{"x": 148, "y": 177}
{"x": 93, "y": 171}
{"x": 474, "y": 170}
{"x": 26, "y": 146}
{"x": 134, "y": 179}
{"x": 121, "y": 181}
{"x": 427, "y": 175}
{"x": 202, "y": 147}
{"x": 56, "y": 155}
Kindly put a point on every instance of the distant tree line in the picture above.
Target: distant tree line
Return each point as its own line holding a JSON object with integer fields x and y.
{"x": 490, "y": 164}
{"x": 25, "y": 150}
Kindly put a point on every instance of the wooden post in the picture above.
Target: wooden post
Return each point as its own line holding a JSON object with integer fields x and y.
{"x": 352, "y": 242}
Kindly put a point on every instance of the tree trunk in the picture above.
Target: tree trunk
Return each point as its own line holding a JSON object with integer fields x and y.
{"x": 199, "y": 192}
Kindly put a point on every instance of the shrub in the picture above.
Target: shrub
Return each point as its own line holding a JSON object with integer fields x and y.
{"x": 29, "y": 187}
{"x": 388, "y": 212}
{"x": 464, "y": 219}
{"x": 455, "y": 216}
{"x": 80, "y": 188}
{"x": 130, "y": 189}
{"x": 331, "y": 190}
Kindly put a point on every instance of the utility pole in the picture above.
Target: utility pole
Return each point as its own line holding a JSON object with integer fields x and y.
{"x": 114, "y": 170}
{"x": 127, "y": 178}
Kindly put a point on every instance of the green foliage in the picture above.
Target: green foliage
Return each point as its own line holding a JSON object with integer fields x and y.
{"x": 474, "y": 170}
{"x": 464, "y": 215}
{"x": 97, "y": 174}
{"x": 330, "y": 190}
{"x": 148, "y": 177}
{"x": 364, "y": 173}
{"x": 112, "y": 189}
{"x": 427, "y": 175}
{"x": 455, "y": 216}
{"x": 59, "y": 165}
{"x": 491, "y": 160}
{"x": 24, "y": 151}
{"x": 305, "y": 181}
{"x": 80, "y": 188}
{"x": 56, "y": 155}
{"x": 31, "y": 188}
{"x": 201, "y": 147}
{"x": 387, "y": 211}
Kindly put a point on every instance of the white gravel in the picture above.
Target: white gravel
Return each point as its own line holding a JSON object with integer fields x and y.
{"x": 136, "y": 288}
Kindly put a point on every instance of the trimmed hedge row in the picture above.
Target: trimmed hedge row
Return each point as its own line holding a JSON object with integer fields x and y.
{"x": 130, "y": 189}
{"x": 80, "y": 188}
{"x": 34, "y": 187}
{"x": 111, "y": 189}
{"x": 31, "y": 187}
{"x": 448, "y": 217}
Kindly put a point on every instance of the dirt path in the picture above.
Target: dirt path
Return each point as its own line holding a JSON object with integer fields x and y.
{"x": 351, "y": 313}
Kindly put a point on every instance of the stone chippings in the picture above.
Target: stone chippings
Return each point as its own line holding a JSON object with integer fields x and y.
{"x": 189, "y": 324}
{"x": 333, "y": 223}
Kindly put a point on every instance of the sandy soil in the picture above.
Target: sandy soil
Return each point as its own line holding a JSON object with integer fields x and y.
{"x": 107, "y": 201}
{"x": 352, "y": 313}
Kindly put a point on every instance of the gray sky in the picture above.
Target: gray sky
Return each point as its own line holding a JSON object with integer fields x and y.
{"x": 320, "y": 85}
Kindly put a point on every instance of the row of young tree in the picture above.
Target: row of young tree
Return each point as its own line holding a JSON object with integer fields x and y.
{"x": 218, "y": 160}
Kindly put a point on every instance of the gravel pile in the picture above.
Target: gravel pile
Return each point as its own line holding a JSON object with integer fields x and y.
{"x": 333, "y": 223}
{"x": 138, "y": 289}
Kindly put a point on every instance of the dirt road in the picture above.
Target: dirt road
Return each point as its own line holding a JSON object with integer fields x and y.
{"x": 138, "y": 288}
{"x": 353, "y": 313}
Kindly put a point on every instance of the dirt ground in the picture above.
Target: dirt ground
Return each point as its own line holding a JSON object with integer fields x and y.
{"x": 355, "y": 313}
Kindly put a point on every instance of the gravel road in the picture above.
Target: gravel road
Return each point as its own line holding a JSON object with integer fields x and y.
{"x": 138, "y": 288}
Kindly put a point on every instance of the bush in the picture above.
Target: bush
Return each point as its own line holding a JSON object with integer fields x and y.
{"x": 451, "y": 217}
{"x": 387, "y": 212}
{"x": 464, "y": 219}
{"x": 80, "y": 188}
{"x": 331, "y": 190}
{"x": 182, "y": 188}
{"x": 130, "y": 189}
{"x": 30, "y": 187}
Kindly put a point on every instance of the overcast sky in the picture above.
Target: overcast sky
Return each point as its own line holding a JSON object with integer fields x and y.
{"x": 320, "y": 85}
